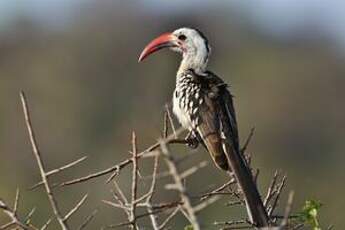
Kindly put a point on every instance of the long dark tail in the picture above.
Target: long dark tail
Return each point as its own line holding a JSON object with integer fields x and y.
{"x": 227, "y": 158}
{"x": 255, "y": 208}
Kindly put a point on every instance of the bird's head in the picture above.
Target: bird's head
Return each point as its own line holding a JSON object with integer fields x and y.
{"x": 191, "y": 43}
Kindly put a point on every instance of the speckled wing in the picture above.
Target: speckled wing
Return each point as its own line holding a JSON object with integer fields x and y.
{"x": 222, "y": 114}
{"x": 217, "y": 127}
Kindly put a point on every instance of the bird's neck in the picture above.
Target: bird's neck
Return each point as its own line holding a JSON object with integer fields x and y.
{"x": 196, "y": 61}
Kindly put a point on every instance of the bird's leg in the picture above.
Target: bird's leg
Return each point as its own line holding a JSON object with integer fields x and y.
{"x": 192, "y": 140}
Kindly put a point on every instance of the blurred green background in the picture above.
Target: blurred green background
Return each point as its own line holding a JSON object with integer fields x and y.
{"x": 77, "y": 62}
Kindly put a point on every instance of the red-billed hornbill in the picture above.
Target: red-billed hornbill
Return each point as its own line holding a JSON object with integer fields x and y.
{"x": 203, "y": 105}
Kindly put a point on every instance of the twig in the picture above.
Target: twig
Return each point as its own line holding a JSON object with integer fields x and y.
{"x": 137, "y": 217}
{"x": 151, "y": 192}
{"x": 115, "y": 205}
{"x": 122, "y": 198}
{"x": 134, "y": 181}
{"x": 206, "y": 203}
{"x": 166, "y": 221}
{"x": 237, "y": 195}
{"x": 184, "y": 174}
{"x": 270, "y": 191}
{"x": 238, "y": 224}
{"x": 193, "y": 169}
{"x": 221, "y": 188}
{"x": 28, "y": 217}
{"x": 54, "y": 171}
{"x": 12, "y": 215}
{"x": 288, "y": 209}
{"x": 88, "y": 220}
{"x": 187, "y": 206}
{"x": 232, "y": 203}
{"x": 76, "y": 207}
{"x": 170, "y": 120}
{"x": 275, "y": 201}
{"x": 298, "y": 226}
{"x": 16, "y": 200}
{"x": 167, "y": 205}
{"x": 116, "y": 168}
{"x": 37, "y": 154}
{"x": 234, "y": 222}
{"x": 246, "y": 143}
{"x": 330, "y": 227}
{"x": 45, "y": 226}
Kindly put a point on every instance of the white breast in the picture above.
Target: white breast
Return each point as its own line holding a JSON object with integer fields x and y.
{"x": 181, "y": 115}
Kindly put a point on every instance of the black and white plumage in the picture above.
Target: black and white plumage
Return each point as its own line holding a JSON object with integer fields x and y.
{"x": 203, "y": 105}
{"x": 196, "y": 102}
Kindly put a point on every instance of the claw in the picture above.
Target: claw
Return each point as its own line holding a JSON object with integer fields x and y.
{"x": 192, "y": 140}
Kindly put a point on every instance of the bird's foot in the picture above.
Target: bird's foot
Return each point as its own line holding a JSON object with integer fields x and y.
{"x": 191, "y": 140}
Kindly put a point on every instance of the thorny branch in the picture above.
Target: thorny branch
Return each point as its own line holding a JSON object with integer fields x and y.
{"x": 135, "y": 170}
{"x": 62, "y": 220}
{"x": 154, "y": 210}
{"x": 117, "y": 167}
{"x": 15, "y": 220}
{"x": 12, "y": 214}
{"x": 184, "y": 205}
{"x": 37, "y": 154}
{"x": 187, "y": 205}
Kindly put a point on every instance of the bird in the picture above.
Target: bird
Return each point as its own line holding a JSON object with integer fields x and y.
{"x": 204, "y": 106}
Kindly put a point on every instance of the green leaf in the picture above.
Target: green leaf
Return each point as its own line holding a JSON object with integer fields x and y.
{"x": 309, "y": 214}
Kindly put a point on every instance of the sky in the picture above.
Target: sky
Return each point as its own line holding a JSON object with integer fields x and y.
{"x": 279, "y": 18}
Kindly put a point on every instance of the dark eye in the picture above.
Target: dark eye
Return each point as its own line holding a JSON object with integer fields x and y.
{"x": 182, "y": 37}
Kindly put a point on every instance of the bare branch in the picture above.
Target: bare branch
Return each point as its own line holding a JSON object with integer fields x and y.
{"x": 134, "y": 181}
{"x": 330, "y": 227}
{"x": 276, "y": 199}
{"x": 166, "y": 221}
{"x": 193, "y": 169}
{"x": 28, "y": 217}
{"x": 54, "y": 171}
{"x": 217, "y": 190}
{"x": 170, "y": 120}
{"x": 88, "y": 220}
{"x": 37, "y": 154}
{"x": 230, "y": 222}
{"x": 298, "y": 226}
{"x": 288, "y": 209}
{"x": 232, "y": 203}
{"x": 116, "y": 168}
{"x": 167, "y": 205}
{"x": 120, "y": 205}
{"x": 45, "y": 226}
{"x": 137, "y": 217}
{"x": 206, "y": 203}
{"x": 271, "y": 187}
{"x": 151, "y": 192}
{"x": 122, "y": 198}
{"x": 76, "y": 207}
{"x": 15, "y": 205}
{"x": 237, "y": 224}
{"x": 179, "y": 184}
{"x": 12, "y": 215}
{"x": 246, "y": 143}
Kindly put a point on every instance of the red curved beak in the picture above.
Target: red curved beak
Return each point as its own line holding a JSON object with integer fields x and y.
{"x": 163, "y": 41}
